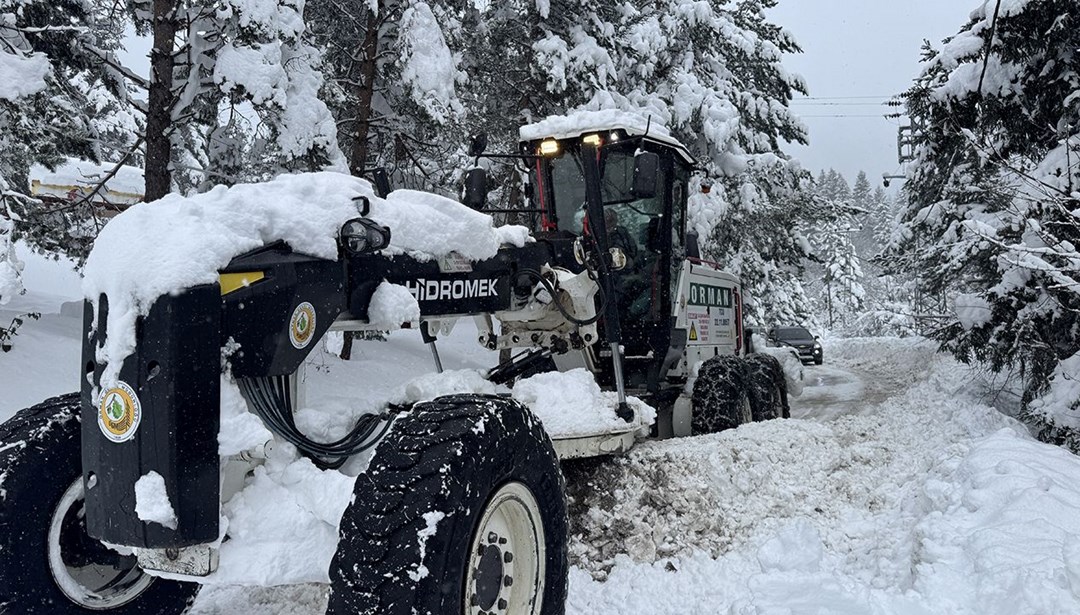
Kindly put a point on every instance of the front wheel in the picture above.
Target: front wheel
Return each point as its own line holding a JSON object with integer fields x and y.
{"x": 50, "y": 564}
{"x": 461, "y": 510}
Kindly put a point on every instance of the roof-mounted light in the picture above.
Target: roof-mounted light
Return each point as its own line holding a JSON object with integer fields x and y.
{"x": 593, "y": 140}
{"x": 549, "y": 147}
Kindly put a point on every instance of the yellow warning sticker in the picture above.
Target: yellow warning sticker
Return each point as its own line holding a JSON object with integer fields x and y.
{"x": 693, "y": 332}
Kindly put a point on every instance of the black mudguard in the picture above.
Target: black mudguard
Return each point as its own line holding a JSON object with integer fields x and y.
{"x": 173, "y": 380}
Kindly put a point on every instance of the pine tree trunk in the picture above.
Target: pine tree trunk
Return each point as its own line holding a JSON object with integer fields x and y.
{"x": 160, "y": 101}
{"x": 365, "y": 91}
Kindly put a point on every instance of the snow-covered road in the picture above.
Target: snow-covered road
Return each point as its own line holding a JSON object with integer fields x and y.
{"x": 893, "y": 489}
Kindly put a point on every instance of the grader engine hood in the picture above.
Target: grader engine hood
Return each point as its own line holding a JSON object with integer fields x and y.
{"x": 163, "y": 415}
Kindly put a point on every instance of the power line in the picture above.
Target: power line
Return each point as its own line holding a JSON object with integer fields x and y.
{"x": 841, "y": 97}
{"x": 837, "y": 104}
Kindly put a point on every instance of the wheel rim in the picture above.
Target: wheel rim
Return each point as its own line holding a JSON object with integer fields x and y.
{"x": 505, "y": 571}
{"x": 88, "y": 573}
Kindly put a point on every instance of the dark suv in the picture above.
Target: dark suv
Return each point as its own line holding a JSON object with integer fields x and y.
{"x": 805, "y": 343}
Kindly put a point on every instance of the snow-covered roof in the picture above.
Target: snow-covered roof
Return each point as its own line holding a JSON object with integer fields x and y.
{"x": 580, "y": 123}
{"x": 76, "y": 178}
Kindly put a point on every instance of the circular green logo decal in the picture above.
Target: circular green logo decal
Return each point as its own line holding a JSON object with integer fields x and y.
{"x": 302, "y": 325}
{"x": 119, "y": 413}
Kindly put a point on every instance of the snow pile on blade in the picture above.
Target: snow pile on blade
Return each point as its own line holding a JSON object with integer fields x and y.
{"x": 569, "y": 404}
{"x": 153, "y": 249}
{"x": 572, "y": 404}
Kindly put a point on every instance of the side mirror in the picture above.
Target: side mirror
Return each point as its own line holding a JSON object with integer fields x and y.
{"x": 646, "y": 172}
{"x": 693, "y": 249}
{"x": 475, "y": 188}
{"x": 478, "y": 145}
{"x": 382, "y": 182}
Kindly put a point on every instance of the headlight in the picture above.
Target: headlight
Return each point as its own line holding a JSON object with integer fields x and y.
{"x": 361, "y": 235}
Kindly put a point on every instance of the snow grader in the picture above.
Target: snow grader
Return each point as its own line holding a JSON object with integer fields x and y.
{"x": 458, "y": 503}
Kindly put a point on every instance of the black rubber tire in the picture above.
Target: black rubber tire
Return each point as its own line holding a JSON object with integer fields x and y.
{"x": 39, "y": 461}
{"x": 449, "y": 455}
{"x": 768, "y": 388}
{"x": 720, "y": 395}
{"x": 819, "y": 360}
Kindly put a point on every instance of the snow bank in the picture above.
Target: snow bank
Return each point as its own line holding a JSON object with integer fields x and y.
{"x": 1002, "y": 517}
{"x": 932, "y": 503}
{"x": 153, "y": 249}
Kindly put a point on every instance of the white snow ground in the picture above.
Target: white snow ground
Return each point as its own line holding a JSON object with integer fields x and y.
{"x": 894, "y": 489}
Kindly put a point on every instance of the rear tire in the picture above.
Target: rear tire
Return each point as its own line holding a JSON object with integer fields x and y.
{"x": 719, "y": 398}
{"x": 768, "y": 388}
{"x": 49, "y": 564}
{"x": 461, "y": 510}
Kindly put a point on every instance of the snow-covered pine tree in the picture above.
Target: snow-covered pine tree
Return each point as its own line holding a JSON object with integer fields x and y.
{"x": 713, "y": 73}
{"x": 865, "y": 207}
{"x": 836, "y": 275}
{"x": 862, "y": 195}
{"x": 54, "y": 84}
{"x": 208, "y": 54}
{"x": 843, "y": 295}
{"x": 393, "y": 85}
{"x": 992, "y": 189}
{"x": 30, "y": 71}
{"x": 528, "y": 59}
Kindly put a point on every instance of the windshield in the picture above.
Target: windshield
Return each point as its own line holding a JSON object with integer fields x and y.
{"x": 792, "y": 333}
{"x": 568, "y": 187}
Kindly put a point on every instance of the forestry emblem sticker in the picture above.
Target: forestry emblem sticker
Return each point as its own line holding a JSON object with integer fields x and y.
{"x": 302, "y": 325}
{"x": 119, "y": 413}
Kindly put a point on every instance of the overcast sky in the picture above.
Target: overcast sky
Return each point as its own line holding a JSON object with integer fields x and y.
{"x": 859, "y": 48}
